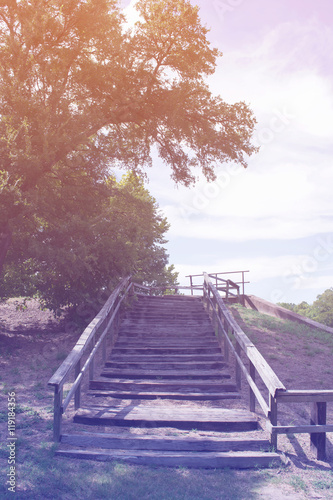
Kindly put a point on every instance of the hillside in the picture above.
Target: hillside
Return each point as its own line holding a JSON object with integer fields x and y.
{"x": 33, "y": 345}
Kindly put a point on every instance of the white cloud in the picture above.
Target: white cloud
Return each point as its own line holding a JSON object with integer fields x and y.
{"x": 132, "y": 15}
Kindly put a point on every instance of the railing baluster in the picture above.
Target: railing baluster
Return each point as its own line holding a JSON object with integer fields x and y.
{"x": 252, "y": 395}
{"x": 77, "y": 396}
{"x": 238, "y": 369}
{"x": 57, "y": 415}
{"x": 318, "y": 440}
{"x": 273, "y": 420}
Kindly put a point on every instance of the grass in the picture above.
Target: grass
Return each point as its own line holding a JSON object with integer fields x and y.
{"x": 251, "y": 318}
{"x": 41, "y": 475}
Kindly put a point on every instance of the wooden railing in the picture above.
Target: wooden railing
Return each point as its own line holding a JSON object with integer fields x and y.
{"x": 236, "y": 341}
{"x": 103, "y": 328}
{"x": 231, "y": 289}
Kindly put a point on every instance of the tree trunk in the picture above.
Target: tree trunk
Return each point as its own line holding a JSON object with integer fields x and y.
{"x": 5, "y": 242}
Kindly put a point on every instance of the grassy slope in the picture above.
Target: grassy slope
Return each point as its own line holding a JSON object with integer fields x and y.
{"x": 40, "y": 475}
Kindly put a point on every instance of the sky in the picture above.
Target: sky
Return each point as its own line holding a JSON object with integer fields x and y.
{"x": 275, "y": 218}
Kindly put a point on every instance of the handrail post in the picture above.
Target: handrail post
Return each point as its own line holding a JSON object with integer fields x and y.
{"x": 226, "y": 344}
{"x": 77, "y": 396}
{"x": 273, "y": 413}
{"x": 57, "y": 414}
{"x": 238, "y": 369}
{"x": 318, "y": 439}
{"x": 92, "y": 363}
{"x": 252, "y": 395}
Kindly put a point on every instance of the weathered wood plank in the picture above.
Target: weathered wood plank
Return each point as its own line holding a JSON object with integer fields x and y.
{"x": 174, "y": 443}
{"x": 166, "y": 350}
{"x": 181, "y": 418}
{"x": 305, "y": 396}
{"x": 238, "y": 460}
{"x": 165, "y": 365}
{"x": 163, "y": 386}
{"x": 181, "y": 396}
{"x": 318, "y": 440}
{"x": 171, "y": 374}
{"x": 86, "y": 337}
{"x": 268, "y": 376}
{"x": 299, "y": 429}
{"x": 174, "y": 358}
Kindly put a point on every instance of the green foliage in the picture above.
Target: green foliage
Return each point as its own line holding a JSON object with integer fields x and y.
{"x": 78, "y": 246}
{"x": 81, "y": 94}
{"x": 321, "y": 310}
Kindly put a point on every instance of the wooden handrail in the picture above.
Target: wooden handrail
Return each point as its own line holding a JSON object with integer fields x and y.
{"x": 91, "y": 338}
{"x": 90, "y": 331}
{"x": 269, "y": 377}
{"x": 277, "y": 392}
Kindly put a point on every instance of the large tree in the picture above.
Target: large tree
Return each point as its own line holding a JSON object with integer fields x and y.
{"x": 77, "y": 85}
{"x": 78, "y": 246}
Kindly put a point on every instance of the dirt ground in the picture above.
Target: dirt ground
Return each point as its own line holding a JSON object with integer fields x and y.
{"x": 33, "y": 344}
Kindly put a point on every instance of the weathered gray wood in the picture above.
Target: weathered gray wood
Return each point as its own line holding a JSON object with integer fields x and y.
{"x": 266, "y": 373}
{"x": 165, "y": 443}
{"x": 298, "y": 429}
{"x": 78, "y": 350}
{"x": 166, "y": 366}
{"x": 77, "y": 397}
{"x": 181, "y": 418}
{"x": 304, "y": 396}
{"x": 182, "y": 396}
{"x": 170, "y": 374}
{"x": 238, "y": 368}
{"x": 273, "y": 420}
{"x": 166, "y": 358}
{"x": 252, "y": 394}
{"x": 238, "y": 460}
{"x": 167, "y": 344}
{"x": 57, "y": 413}
{"x": 163, "y": 386}
{"x": 166, "y": 350}
{"x": 318, "y": 440}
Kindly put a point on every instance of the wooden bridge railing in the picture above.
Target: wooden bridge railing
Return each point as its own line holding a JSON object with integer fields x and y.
{"x": 102, "y": 328}
{"x": 236, "y": 340}
{"x": 232, "y": 289}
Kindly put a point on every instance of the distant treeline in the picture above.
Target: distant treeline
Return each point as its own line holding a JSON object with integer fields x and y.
{"x": 321, "y": 310}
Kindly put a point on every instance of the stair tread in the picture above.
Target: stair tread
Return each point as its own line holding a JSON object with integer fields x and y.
{"x": 212, "y": 460}
{"x": 170, "y": 413}
{"x": 171, "y": 443}
{"x": 164, "y": 395}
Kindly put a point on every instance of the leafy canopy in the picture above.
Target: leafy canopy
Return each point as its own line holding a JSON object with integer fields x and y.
{"x": 70, "y": 260}
{"x": 80, "y": 94}
{"x": 74, "y": 81}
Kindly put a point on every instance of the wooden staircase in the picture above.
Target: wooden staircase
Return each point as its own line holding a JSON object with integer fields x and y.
{"x": 163, "y": 395}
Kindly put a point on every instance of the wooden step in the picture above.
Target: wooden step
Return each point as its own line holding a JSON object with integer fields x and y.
{"x": 182, "y": 385}
{"x": 167, "y": 341}
{"x": 190, "y": 335}
{"x": 206, "y": 460}
{"x": 178, "y": 358}
{"x": 169, "y": 374}
{"x": 146, "y": 343}
{"x": 166, "y": 350}
{"x": 179, "y": 396}
{"x": 165, "y": 443}
{"x": 166, "y": 366}
{"x": 185, "y": 321}
{"x": 216, "y": 419}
